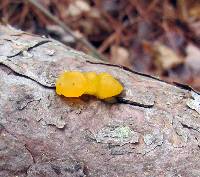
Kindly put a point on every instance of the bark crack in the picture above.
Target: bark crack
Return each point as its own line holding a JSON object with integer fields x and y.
{"x": 176, "y": 84}
{"x": 130, "y": 102}
{"x": 27, "y": 103}
{"x": 30, "y": 48}
{"x": 190, "y": 127}
{"x": 151, "y": 149}
{"x": 27, "y": 77}
{"x": 26, "y": 147}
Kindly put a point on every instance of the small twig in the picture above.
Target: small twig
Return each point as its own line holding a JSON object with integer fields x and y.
{"x": 67, "y": 29}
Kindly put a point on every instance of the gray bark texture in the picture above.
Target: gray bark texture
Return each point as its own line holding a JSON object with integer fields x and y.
{"x": 156, "y": 133}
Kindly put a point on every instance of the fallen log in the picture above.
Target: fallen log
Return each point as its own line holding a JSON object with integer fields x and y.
{"x": 152, "y": 129}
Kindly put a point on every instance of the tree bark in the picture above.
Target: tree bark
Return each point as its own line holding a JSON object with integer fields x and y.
{"x": 152, "y": 129}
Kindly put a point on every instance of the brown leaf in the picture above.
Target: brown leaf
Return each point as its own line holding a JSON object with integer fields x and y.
{"x": 195, "y": 11}
{"x": 77, "y": 7}
{"x": 120, "y": 56}
{"x": 165, "y": 57}
{"x": 193, "y": 58}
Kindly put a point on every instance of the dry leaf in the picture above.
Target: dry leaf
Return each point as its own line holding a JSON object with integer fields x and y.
{"x": 195, "y": 11}
{"x": 94, "y": 13}
{"x": 195, "y": 26}
{"x": 166, "y": 58}
{"x": 193, "y": 58}
{"x": 78, "y": 7}
{"x": 120, "y": 56}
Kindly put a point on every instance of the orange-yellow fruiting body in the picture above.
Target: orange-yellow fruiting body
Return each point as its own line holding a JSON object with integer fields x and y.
{"x": 75, "y": 84}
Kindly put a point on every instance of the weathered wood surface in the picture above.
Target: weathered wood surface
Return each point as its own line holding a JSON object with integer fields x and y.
{"x": 42, "y": 134}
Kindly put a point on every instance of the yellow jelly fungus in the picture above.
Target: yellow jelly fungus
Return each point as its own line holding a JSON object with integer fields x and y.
{"x": 71, "y": 84}
{"x": 75, "y": 84}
